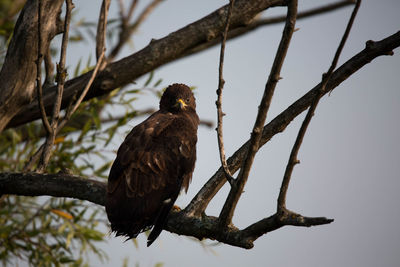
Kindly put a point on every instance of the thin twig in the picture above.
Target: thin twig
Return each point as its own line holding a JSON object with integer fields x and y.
{"x": 218, "y": 103}
{"x": 125, "y": 18}
{"x": 131, "y": 9}
{"x": 127, "y": 30}
{"x": 100, "y": 39}
{"x": 61, "y": 75}
{"x": 101, "y": 28}
{"x": 281, "y": 206}
{"x": 235, "y": 192}
{"x": 84, "y": 92}
{"x": 372, "y": 51}
{"x": 45, "y": 121}
{"x": 28, "y": 166}
{"x": 49, "y": 68}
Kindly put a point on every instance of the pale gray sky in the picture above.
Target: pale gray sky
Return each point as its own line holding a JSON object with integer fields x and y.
{"x": 349, "y": 167}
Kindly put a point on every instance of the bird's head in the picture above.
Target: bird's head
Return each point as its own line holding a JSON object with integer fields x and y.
{"x": 177, "y": 98}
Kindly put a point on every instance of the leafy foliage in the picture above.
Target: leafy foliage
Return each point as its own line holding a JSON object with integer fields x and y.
{"x": 53, "y": 231}
{"x": 49, "y": 231}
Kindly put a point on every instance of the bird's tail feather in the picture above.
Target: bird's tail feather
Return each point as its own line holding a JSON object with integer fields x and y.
{"x": 160, "y": 221}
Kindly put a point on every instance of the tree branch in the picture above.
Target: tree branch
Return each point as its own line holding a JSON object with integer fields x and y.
{"x": 157, "y": 53}
{"x": 61, "y": 75}
{"x": 56, "y": 185}
{"x": 128, "y": 30}
{"x": 218, "y": 103}
{"x": 39, "y": 88}
{"x": 281, "y": 205}
{"x": 179, "y": 222}
{"x": 18, "y": 72}
{"x": 274, "y": 76}
{"x": 44, "y": 150}
{"x": 259, "y": 22}
{"x": 373, "y": 50}
{"x": 101, "y": 29}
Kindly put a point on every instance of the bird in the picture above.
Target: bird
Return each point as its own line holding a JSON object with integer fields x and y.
{"x": 153, "y": 164}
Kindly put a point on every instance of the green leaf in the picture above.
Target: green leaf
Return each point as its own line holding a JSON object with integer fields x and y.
{"x": 149, "y": 79}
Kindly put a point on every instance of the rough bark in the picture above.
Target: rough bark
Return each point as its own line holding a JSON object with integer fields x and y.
{"x": 192, "y": 221}
{"x": 18, "y": 74}
{"x": 157, "y": 53}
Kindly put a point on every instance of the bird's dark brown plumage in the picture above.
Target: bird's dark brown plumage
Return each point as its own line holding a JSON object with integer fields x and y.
{"x": 153, "y": 164}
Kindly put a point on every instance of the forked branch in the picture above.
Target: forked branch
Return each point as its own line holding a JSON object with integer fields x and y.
{"x": 61, "y": 76}
{"x": 235, "y": 192}
{"x": 372, "y": 50}
{"x": 296, "y": 147}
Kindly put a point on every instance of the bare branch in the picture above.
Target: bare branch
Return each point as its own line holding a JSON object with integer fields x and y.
{"x": 274, "y": 222}
{"x": 131, "y": 9}
{"x": 218, "y": 103}
{"x": 39, "y": 88}
{"x": 86, "y": 89}
{"x": 101, "y": 28}
{"x": 157, "y": 53}
{"x": 373, "y": 50}
{"x": 61, "y": 75}
{"x": 56, "y": 185}
{"x": 281, "y": 205}
{"x": 100, "y": 54}
{"x": 19, "y": 70}
{"x": 127, "y": 31}
{"x": 49, "y": 68}
{"x": 235, "y": 192}
{"x": 257, "y": 23}
{"x": 66, "y": 185}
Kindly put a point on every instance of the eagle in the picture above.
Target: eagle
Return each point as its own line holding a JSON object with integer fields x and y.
{"x": 155, "y": 161}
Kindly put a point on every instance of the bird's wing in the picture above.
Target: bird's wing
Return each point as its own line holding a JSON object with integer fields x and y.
{"x": 143, "y": 158}
{"x": 153, "y": 162}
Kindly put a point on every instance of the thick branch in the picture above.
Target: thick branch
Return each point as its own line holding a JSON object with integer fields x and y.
{"x": 56, "y": 185}
{"x": 65, "y": 185}
{"x": 39, "y": 88}
{"x": 157, "y": 53}
{"x": 259, "y": 22}
{"x": 280, "y": 122}
{"x": 18, "y": 73}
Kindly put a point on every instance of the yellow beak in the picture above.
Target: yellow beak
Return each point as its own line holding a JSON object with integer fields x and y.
{"x": 181, "y": 103}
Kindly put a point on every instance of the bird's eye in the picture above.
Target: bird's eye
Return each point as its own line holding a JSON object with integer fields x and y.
{"x": 187, "y": 100}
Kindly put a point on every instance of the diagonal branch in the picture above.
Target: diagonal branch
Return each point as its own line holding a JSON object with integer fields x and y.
{"x": 235, "y": 192}
{"x": 373, "y": 50}
{"x": 259, "y": 22}
{"x": 299, "y": 139}
{"x": 157, "y": 53}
